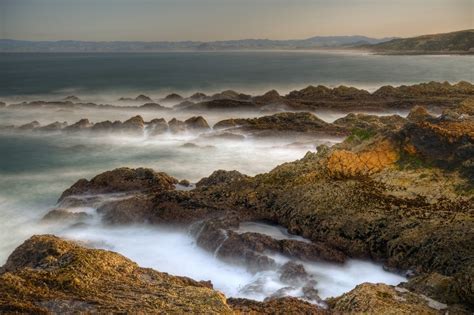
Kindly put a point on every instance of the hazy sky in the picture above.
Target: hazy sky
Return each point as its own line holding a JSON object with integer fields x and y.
{"x": 152, "y": 20}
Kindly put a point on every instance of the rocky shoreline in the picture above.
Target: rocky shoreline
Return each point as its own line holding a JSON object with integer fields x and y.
{"x": 398, "y": 191}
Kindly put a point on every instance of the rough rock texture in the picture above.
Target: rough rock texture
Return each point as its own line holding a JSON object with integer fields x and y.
{"x": 122, "y": 180}
{"x": 80, "y": 125}
{"x": 176, "y": 126}
{"x": 49, "y": 275}
{"x": 196, "y": 123}
{"x": 281, "y": 306}
{"x": 383, "y": 299}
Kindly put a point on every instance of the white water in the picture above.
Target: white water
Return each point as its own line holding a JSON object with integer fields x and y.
{"x": 36, "y": 168}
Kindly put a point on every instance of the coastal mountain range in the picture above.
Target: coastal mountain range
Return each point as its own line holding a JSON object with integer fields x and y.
{"x": 10, "y": 45}
{"x": 460, "y": 42}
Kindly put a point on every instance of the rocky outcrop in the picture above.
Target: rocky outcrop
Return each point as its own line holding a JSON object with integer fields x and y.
{"x": 287, "y": 305}
{"x": 29, "y": 126}
{"x": 176, "y": 126}
{"x": 49, "y": 275}
{"x": 55, "y": 126}
{"x": 383, "y": 299}
{"x": 418, "y": 113}
{"x": 122, "y": 180}
{"x": 282, "y": 123}
{"x": 370, "y": 123}
{"x": 139, "y": 98}
{"x": 196, "y": 123}
{"x": 80, "y": 125}
{"x": 173, "y": 97}
{"x": 157, "y": 126}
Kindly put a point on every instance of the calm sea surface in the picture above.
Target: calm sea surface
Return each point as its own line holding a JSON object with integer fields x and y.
{"x": 187, "y": 72}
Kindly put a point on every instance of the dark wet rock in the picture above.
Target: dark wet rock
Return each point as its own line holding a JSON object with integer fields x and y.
{"x": 196, "y": 123}
{"x": 29, "y": 126}
{"x": 221, "y": 177}
{"x": 283, "y": 123}
{"x": 134, "y": 125}
{"x": 153, "y": 106}
{"x": 49, "y": 275}
{"x": 176, "y": 126}
{"x": 64, "y": 215}
{"x": 105, "y": 126}
{"x": 185, "y": 183}
{"x": 173, "y": 97}
{"x": 122, "y": 180}
{"x": 54, "y": 126}
{"x": 80, "y": 125}
{"x": 230, "y": 95}
{"x": 72, "y": 98}
{"x": 198, "y": 97}
{"x": 3, "y": 104}
{"x": 292, "y": 272}
{"x": 143, "y": 98}
{"x": 157, "y": 126}
{"x": 224, "y": 136}
{"x": 269, "y": 97}
{"x": 285, "y": 305}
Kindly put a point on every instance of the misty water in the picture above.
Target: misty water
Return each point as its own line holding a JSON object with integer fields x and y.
{"x": 35, "y": 168}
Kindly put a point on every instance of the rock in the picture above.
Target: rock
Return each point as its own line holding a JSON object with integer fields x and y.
{"x": 223, "y": 105}
{"x": 80, "y": 125}
{"x": 122, "y": 180}
{"x": 292, "y": 272}
{"x": 176, "y": 126}
{"x": 269, "y": 97}
{"x": 225, "y": 136}
{"x": 3, "y": 105}
{"x": 230, "y": 95}
{"x": 173, "y": 97}
{"x": 370, "y": 123}
{"x": 383, "y": 299}
{"x": 49, "y": 275}
{"x": 280, "y": 306}
{"x": 153, "y": 106}
{"x": 133, "y": 125}
{"x": 157, "y": 127}
{"x": 53, "y": 126}
{"x": 196, "y": 123}
{"x": 221, "y": 177}
{"x": 143, "y": 98}
{"x": 64, "y": 215}
{"x": 29, "y": 126}
{"x": 198, "y": 97}
{"x": 72, "y": 98}
{"x": 185, "y": 183}
{"x": 106, "y": 126}
{"x": 418, "y": 113}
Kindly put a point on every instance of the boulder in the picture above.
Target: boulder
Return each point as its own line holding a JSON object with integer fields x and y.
{"x": 122, "y": 180}
{"x": 157, "y": 126}
{"x": 80, "y": 125}
{"x": 48, "y": 275}
{"x": 176, "y": 126}
{"x": 196, "y": 123}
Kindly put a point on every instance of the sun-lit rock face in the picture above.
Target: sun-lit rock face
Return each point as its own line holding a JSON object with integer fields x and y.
{"x": 49, "y": 275}
{"x": 344, "y": 163}
{"x": 383, "y": 299}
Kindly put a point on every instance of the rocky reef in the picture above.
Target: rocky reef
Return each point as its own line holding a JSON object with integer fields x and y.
{"x": 396, "y": 191}
{"x": 435, "y": 96}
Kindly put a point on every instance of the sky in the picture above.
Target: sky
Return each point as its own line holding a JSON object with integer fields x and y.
{"x": 207, "y": 20}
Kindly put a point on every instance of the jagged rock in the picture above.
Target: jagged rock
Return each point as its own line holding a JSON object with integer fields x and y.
{"x": 418, "y": 113}
{"x": 32, "y": 125}
{"x": 196, "y": 123}
{"x": 176, "y": 126}
{"x": 106, "y": 126}
{"x": 383, "y": 299}
{"x": 64, "y": 215}
{"x": 122, "y": 180}
{"x": 157, "y": 126}
{"x": 370, "y": 122}
{"x": 49, "y": 275}
{"x": 280, "y": 306}
{"x": 221, "y": 177}
{"x": 55, "y": 126}
{"x": 292, "y": 272}
{"x": 134, "y": 125}
{"x": 80, "y": 125}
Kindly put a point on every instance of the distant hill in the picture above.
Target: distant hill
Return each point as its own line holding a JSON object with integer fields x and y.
{"x": 461, "y": 42}
{"x": 318, "y": 42}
